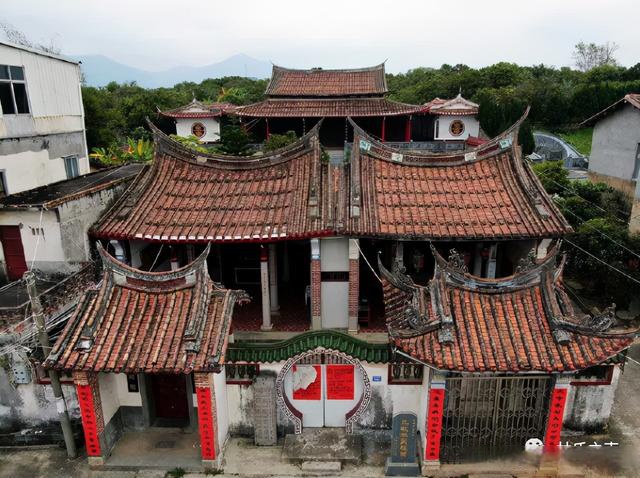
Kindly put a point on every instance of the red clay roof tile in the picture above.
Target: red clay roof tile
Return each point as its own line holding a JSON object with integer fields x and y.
{"x": 154, "y": 322}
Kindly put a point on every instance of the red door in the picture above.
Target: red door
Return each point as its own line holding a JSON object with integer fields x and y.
{"x": 13, "y": 252}
{"x": 170, "y": 396}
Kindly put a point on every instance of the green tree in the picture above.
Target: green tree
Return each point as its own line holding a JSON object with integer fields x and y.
{"x": 277, "y": 141}
{"x": 235, "y": 140}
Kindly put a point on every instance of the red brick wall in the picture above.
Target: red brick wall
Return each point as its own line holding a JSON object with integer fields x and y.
{"x": 354, "y": 286}
{"x": 315, "y": 287}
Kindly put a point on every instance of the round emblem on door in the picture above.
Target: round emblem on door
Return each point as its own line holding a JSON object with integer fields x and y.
{"x": 198, "y": 130}
{"x": 456, "y": 128}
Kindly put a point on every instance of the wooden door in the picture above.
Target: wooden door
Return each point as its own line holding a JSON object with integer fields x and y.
{"x": 13, "y": 252}
{"x": 170, "y": 396}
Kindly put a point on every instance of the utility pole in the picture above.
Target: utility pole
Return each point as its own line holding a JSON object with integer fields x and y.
{"x": 38, "y": 318}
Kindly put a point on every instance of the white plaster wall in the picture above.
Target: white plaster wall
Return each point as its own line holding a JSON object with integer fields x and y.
{"x": 615, "y": 142}
{"x": 212, "y": 126}
{"x": 385, "y": 401}
{"x": 334, "y": 254}
{"x": 222, "y": 409}
{"x": 108, "y": 395}
{"x": 471, "y": 127}
{"x": 49, "y": 254}
{"x": 135, "y": 247}
{"x": 31, "y": 169}
{"x": 124, "y": 397}
{"x": 589, "y": 406}
{"x": 334, "y": 296}
{"x": 31, "y": 404}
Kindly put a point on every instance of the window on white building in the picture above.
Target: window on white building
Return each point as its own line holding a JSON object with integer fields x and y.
{"x": 13, "y": 90}
{"x": 71, "y": 166}
{"x": 636, "y": 166}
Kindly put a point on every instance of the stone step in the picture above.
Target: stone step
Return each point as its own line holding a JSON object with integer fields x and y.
{"x": 321, "y": 468}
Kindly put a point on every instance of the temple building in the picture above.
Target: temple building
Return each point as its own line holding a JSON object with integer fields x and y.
{"x": 292, "y": 293}
{"x": 199, "y": 119}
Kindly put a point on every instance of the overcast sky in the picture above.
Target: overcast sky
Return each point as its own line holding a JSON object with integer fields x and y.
{"x": 160, "y": 34}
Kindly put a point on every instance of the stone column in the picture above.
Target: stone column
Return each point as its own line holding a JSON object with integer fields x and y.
{"x": 543, "y": 248}
{"x": 492, "y": 262}
{"x": 399, "y": 253}
{"x": 88, "y": 392}
{"x": 354, "y": 285}
{"x": 174, "y": 259}
{"x": 273, "y": 279}
{"x": 207, "y": 419}
{"x": 316, "y": 284}
{"x": 477, "y": 260}
{"x": 634, "y": 220}
{"x": 264, "y": 284}
{"x": 431, "y": 458}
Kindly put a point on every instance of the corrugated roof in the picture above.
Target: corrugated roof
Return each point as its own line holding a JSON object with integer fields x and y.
{"x": 57, "y": 193}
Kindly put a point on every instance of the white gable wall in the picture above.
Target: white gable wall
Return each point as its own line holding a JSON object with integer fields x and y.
{"x": 212, "y": 126}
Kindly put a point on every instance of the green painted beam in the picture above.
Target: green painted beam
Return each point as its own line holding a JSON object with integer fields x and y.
{"x": 330, "y": 339}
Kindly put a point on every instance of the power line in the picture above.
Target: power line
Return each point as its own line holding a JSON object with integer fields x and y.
{"x": 586, "y": 223}
{"x": 603, "y": 262}
{"x": 583, "y": 198}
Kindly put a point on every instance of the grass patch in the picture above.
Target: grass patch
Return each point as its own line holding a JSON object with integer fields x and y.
{"x": 579, "y": 139}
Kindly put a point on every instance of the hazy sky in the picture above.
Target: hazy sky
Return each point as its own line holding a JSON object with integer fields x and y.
{"x": 160, "y": 34}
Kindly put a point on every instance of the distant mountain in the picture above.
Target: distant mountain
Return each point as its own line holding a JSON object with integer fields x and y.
{"x": 99, "y": 70}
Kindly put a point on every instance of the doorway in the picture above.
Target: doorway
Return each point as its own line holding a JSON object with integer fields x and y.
{"x": 324, "y": 388}
{"x": 170, "y": 403}
{"x": 13, "y": 252}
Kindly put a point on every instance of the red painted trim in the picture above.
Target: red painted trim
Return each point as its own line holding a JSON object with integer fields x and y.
{"x": 434, "y": 424}
{"x": 205, "y": 423}
{"x": 407, "y": 129}
{"x": 268, "y": 132}
{"x": 89, "y": 422}
{"x": 554, "y": 422}
{"x": 383, "y": 133}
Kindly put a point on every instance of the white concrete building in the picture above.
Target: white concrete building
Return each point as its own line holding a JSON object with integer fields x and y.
{"x": 199, "y": 120}
{"x": 454, "y": 119}
{"x": 615, "y": 151}
{"x": 42, "y": 133}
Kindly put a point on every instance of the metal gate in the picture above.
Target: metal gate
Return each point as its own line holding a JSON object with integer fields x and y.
{"x": 486, "y": 417}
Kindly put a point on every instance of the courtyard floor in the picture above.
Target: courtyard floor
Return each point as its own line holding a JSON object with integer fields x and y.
{"x": 243, "y": 459}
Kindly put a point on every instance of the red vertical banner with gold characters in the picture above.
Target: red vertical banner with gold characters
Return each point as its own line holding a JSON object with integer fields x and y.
{"x": 554, "y": 424}
{"x": 434, "y": 423}
{"x": 89, "y": 423}
{"x": 205, "y": 423}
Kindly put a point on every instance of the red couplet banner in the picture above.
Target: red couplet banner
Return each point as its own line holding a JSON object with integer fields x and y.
{"x": 314, "y": 390}
{"x": 554, "y": 424}
{"x": 340, "y": 382}
{"x": 89, "y": 424}
{"x": 205, "y": 423}
{"x": 434, "y": 423}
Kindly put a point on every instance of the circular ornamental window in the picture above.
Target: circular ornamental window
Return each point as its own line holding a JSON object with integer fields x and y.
{"x": 456, "y": 128}
{"x": 198, "y": 130}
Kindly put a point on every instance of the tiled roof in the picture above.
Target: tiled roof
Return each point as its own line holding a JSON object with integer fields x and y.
{"x": 484, "y": 192}
{"x": 196, "y": 109}
{"x": 54, "y": 194}
{"x": 319, "y": 82}
{"x": 154, "y": 322}
{"x": 328, "y": 107}
{"x": 457, "y": 106}
{"x": 632, "y": 99}
{"x": 194, "y": 197}
{"x": 520, "y": 323}
{"x": 328, "y": 339}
